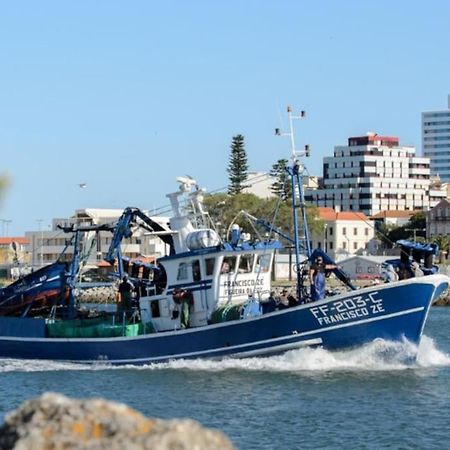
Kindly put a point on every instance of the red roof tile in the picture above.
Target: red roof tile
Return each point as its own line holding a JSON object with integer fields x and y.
{"x": 394, "y": 214}
{"x": 19, "y": 239}
{"x": 326, "y": 213}
{"x": 104, "y": 264}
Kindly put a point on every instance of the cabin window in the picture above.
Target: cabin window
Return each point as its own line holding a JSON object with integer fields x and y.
{"x": 154, "y": 307}
{"x": 245, "y": 264}
{"x": 182, "y": 272}
{"x": 210, "y": 263}
{"x": 228, "y": 264}
{"x": 196, "y": 274}
{"x": 263, "y": 264}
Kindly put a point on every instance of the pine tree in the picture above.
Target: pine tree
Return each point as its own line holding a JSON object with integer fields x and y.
{"x": 237, "y": 167}
{"x": 282, "y": 184}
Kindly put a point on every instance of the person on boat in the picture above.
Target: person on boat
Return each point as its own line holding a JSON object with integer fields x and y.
{"x": 284, "y": 299}
{"x": 416, "y": 270}
{"x": 317, "y": 278}
{"x": 403, "y": 272}
{"x": 390, "y": 275}
{"x": 188, "y": 301}
{"x": 269, "y": 305}
{"x": 125, "y": 290}
{"x": 225, "y": 267}
{"x": 184, "y": 300}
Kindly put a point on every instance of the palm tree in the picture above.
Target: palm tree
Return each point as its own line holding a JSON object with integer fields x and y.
{"x": 443, "y": 241}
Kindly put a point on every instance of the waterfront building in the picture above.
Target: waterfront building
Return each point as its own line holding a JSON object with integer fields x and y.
{"x": 436, "y": 141}
{"x": 394, "y": 218}
{"x": 375, "y": 173}
{"x": 45, "y": 246}
{"x": 438, "y": 219}
{"x": 13, "y": 250}
{"x": 363, "y": 267}
{"x": 259, "y": 184}
{"x": 345, "y": 233}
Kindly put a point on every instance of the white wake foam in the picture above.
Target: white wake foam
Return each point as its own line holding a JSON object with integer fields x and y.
{"x": 378, "y": 355}
{"x": 35, "y": 365}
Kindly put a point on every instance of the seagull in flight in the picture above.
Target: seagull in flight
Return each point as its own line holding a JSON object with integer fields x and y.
{"x": 82, "y": 185}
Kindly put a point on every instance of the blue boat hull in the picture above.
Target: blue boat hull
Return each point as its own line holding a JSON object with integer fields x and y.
{"x": 40, "y": 289}
{"x": 393, "y": 312}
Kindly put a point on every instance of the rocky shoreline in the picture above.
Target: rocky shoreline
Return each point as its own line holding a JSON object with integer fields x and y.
{"x": 53, "y": 421}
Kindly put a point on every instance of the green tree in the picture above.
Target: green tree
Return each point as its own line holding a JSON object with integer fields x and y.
{"x": 414, "y": 229}
{"x": 238, "y": 166}
{"x": 417, "y": 225}
{"x": 383, "y": 234}
{"x": 225, "y": 209}
{"x": 397, "y": 233}
{"x": 282, "y": 184}
{"x": 4, "y": 181}
{"x": 443, "y": 242}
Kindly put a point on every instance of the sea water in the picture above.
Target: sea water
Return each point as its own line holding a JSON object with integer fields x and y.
{"x": 373, "y": 397}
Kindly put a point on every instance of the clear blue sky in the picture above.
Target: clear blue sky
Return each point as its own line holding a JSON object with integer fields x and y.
{"x": 126, "y": 95}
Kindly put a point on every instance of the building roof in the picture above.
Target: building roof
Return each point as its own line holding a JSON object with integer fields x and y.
{"x": 374, "y": 139}
{"x": 326, "y": 213}
{"x": 377, "y": 259}
{"x": 9, "y": 240}
{"x": 445, "y": 202}
{"x": 104, "y": 264}
{"x": 145, "y": 259}
{"x": 394, "y": 214}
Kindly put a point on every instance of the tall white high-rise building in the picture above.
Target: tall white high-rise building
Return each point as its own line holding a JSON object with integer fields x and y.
{"x": 436, "y": 141}
{"x": 375, "y": 173}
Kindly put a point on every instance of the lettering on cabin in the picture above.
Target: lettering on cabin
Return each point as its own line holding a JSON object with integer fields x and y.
{"x": 242, "y": 287}
{"x": 351, "y": 308}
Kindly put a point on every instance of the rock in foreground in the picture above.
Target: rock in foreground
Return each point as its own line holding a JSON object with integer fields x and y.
{"x": 55, "y": 422}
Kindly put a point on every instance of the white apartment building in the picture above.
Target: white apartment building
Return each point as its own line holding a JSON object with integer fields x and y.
{"x": 374, "y": 173}
{"x": 260, "y": 184}
{"x": 45, "y": 246}
{"x": 436, "y": 141}
{"x": 345, "y": 233}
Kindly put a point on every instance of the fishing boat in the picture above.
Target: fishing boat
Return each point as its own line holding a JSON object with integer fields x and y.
{"x": 206, "y": 297}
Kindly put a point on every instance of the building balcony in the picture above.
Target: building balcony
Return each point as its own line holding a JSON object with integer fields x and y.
{"x": 440, "y": 219}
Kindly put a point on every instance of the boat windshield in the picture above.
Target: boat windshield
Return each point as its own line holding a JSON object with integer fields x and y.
{"x": 263, "y": 263}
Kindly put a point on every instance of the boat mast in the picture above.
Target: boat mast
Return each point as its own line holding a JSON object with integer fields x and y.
{"x": 296, "y": 171}
{"x": 73, "y": 271}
